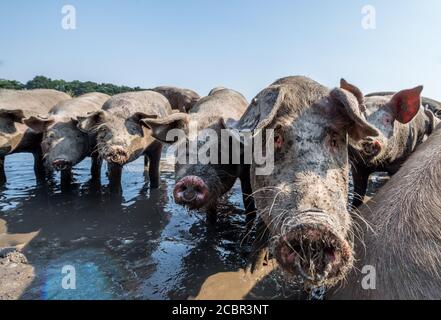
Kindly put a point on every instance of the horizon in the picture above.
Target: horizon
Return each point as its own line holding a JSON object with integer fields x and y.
{"x": 242, "y": 45}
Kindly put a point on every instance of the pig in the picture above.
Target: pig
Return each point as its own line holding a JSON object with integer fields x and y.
{"x": 400, "y": 240}
{"x": 15, "y": 137}
{"x": 431, "y": 104}
{"x": 63, "y": 144}
{"x": 122, "y": 136}
{"x": 403, "y": 125}
{"x": 200, "y": 185}
{"x": 303, "y": 201}
{"x": 180, "y": 99}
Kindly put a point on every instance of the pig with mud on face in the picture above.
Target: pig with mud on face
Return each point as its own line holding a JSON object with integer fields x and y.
{"x": 303, "y": 201}
{"x": 15, "y": 137}
{"x": 403, "y": 124}
{"x": 121, "y": 135}
{"x": 200, "y": 185}
{"x": 63, "y": 144}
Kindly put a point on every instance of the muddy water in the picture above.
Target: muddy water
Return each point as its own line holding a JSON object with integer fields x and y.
{"x": 135, "y": 245}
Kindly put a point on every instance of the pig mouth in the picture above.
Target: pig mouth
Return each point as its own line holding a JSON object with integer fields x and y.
{"x": 316, "y": 254}
{"x": 116, "y": 158}
{"x": 370, "y": 148}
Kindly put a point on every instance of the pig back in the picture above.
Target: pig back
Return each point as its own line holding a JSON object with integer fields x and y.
{"x": 226, "y": 103}
{"x": 80, "y": 106}
{"x": 148, "y": 102}
{"x": 31, "y": 102}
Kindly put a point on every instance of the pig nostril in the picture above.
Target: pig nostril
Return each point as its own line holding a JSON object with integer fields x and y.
{"x": 192, "y": 192}
{"x": 189, "y": 195}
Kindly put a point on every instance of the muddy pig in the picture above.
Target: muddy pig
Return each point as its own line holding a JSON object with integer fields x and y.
{"x": 403, "y": 125}
{"x": 63, "y": 144}
{"x": 16, "y": 137}
{"x": 200, "y": 185}
{"x": 121, "y": 135}
{"x": 303, "y": 201}
{"x": 179, "y": 98}
{"x": 399, "y": 251}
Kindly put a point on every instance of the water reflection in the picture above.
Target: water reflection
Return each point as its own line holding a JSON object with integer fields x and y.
{"x": 135, "y": 245}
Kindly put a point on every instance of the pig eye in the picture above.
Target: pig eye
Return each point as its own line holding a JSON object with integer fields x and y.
{"x": 333, "y": 140}
{"x": 102, "y": 131}
{"x": 278, "y": 140}
{"x": 387, "y": 120}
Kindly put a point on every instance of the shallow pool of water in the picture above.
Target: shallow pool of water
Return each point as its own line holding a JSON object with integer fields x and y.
{"x": 135, "y": 245}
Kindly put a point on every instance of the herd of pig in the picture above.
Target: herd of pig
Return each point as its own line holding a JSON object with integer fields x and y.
{"x": 320, "y": 136}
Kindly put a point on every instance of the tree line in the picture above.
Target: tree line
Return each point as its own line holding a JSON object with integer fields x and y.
{"x": 74, "y": 88}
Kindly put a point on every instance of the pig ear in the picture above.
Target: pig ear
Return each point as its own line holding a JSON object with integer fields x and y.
{"x": 263, "y": 109}
{"x": 138, "y": 116}
{"x": 161, "y": 126}
{"x": 233, "y": 132}
{"x": 348, "y": 106}
{"x": 406, "y": 104}
{"x": 227, "y": 124}
{"x": 354, "y": 90}
{"x": 88, "y": 123}
{"x": 12, "y": 115}
{"x": 38, "y": 124}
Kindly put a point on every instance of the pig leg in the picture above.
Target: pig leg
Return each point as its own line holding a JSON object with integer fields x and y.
{"x": 361, "y": 178}
{"x": 114, "y": 173}
{"x": 96, "y": 167}
{"x": 2, "y": 170}
{"x": 146, "y": 163}
{"x": 66, "y": 178}
{"x": 248, "y": 200}
{"x": 39, "y": 168}
{"x": 154, "y": 157}
{"x": 212, "y": 213}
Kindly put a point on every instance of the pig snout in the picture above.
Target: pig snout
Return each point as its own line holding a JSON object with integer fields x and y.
{"x": 315, "y": 253}
{"x": 191, "y": 191}
{"x": 371, "y": 147}
{"x": 61, "y": 164}
{"x": 117, "y": 155}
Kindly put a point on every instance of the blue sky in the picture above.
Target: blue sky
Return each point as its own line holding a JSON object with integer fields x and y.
{"x": 242, "y": 44}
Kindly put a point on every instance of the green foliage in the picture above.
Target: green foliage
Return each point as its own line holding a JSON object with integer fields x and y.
{"x": 11, "y": 84}
{"x": 74, "y": 88}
